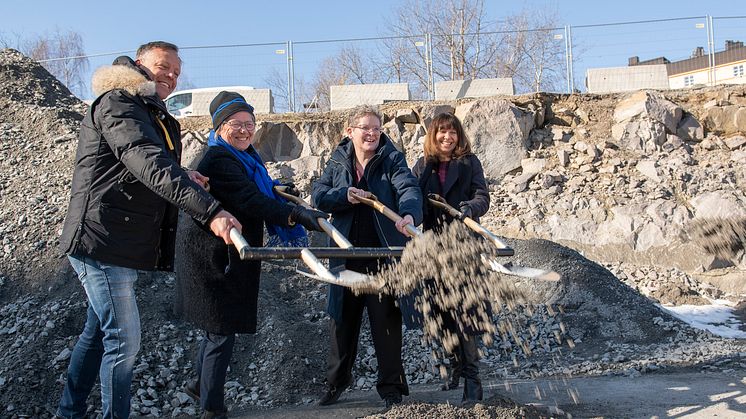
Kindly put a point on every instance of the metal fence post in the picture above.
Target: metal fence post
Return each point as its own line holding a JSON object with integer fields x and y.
{"x": 711, "y": 41}
{"x": 292, "y": 76}
{"x": 567, "y": 59}
{"x": 429, "y": 66}
{"x": 570, "y": 59}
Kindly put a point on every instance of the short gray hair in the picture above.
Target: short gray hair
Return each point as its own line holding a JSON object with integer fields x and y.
{"x": 155, "y": 45}
{"x": 362, "y": 111}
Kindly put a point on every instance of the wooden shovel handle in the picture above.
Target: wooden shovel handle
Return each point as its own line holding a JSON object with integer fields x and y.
{"x": 439, "y": 202}
{"x": 325, "y": 225}
{"x": 386, "y": 211}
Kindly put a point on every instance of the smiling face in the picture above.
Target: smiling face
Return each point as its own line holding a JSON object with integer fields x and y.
{"x": 446, "y": 140}
{"x": 163, "y": 67}
{"x": 365, "y": 135}
{"x": 238, "y": 130}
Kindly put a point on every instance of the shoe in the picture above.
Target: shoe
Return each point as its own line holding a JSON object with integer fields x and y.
{"x": 391, "y": 399}
{"x": 332, "y": 395}
{"x": 222, "y": 414}
{"x": 192, "y": 389}
{"x": 451, "y": 384}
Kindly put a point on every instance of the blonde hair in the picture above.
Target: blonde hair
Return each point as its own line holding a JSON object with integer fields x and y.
{"x": 362, "y": 111}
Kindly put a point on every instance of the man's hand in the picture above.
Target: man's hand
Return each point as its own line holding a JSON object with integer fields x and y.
{"x": 222, "y": 223}
{"x": 400, "y": 225}
{"x": 199, "y": 179}
{"x": 358, "y": 192}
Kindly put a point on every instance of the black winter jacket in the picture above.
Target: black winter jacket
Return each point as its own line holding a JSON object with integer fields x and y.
{"x": 464, "y": 184}
{"x": 215, "y": 289}
{"x": 388, "y": 178}
{"x": 127, "y": 185}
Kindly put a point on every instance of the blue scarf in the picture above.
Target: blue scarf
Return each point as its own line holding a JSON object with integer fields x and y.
{"x": 278, "y": 236}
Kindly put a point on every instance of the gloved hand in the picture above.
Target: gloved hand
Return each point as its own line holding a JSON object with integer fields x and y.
{"x": 291, "y": 189}
{"x": 308, "y": 218}
{"x": 465, "y": 210}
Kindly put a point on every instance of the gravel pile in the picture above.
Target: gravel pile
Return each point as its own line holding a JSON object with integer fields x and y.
{"x": 39, "y": 120}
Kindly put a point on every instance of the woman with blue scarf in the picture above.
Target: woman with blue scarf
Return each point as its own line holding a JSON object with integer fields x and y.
{"x": 215, "y": 289}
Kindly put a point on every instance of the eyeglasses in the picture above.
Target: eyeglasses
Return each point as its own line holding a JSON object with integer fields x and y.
{"x": 376, "y": 130}
{"x": 236, "y": 125}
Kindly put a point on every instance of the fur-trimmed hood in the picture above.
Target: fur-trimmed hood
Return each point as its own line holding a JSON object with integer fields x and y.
{"x": 122, "y": 77}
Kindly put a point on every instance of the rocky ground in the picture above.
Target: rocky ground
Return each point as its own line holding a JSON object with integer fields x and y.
{"x": 600, "y": 319}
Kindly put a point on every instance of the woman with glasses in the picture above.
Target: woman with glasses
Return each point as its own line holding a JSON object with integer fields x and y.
{"x": 215, "y": 289}
{"x": 364, "y": 163}
{"x": 450, "y": 170}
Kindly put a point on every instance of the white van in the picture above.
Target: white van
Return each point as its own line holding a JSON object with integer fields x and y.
{"x": 196, "y": 102}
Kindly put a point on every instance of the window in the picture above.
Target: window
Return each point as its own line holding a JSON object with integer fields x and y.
{"x": 738, "y": 70}
{"x": 688, "y": 81}
{"x": 178, "y": 102}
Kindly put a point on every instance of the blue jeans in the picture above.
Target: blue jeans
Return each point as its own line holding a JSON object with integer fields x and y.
{"x": 109, "y": 342}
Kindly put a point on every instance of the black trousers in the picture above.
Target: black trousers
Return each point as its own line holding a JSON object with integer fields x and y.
{"x": 212, "y": 365}
{"x": 385, "y": 325}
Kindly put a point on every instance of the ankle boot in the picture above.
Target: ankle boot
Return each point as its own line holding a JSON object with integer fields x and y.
{"x": 472, "y": 383}
{"x": 452, "y": 382}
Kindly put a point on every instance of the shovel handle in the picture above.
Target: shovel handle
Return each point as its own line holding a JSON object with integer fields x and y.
{"x": 439, "y": 202}
{"x": 316, "y": 266}
{"x": 240, "y": 242}
{"x": 325, "y": 225}
{"x": 386, "y": 211}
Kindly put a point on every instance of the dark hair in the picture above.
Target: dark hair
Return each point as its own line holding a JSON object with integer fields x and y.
{"x": 153, "y": 45}
{"x": 447, "y": 121}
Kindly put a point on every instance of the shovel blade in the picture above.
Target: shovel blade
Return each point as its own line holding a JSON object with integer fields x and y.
{"x": 523, "y": 271}
{"x": 345, "y": 278}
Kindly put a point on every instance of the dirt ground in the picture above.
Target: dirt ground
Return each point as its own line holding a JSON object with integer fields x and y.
{"x": 674, "y": 395}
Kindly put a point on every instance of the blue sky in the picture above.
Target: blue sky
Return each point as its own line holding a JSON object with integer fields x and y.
{"x": 120, "y": 26}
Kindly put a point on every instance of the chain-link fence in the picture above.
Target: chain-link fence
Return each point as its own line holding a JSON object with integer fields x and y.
{"x": 553, "y": 59}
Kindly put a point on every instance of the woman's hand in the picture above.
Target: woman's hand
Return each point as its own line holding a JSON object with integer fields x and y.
{"x": 358, "y": 192}
{"x": 400, "y": 225}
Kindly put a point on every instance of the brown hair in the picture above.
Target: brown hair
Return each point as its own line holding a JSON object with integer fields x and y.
{"x": 447, "y": 121}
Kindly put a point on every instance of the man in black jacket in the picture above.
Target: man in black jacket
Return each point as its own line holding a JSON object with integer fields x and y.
{"x": 127, "y": 190}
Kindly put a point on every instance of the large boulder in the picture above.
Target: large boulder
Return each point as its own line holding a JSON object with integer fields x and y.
{"x": 277, "y": 142}
{"x": 642, "y": 121}
{"x": 499, "y": 133}
{"x": 724, "y": 120}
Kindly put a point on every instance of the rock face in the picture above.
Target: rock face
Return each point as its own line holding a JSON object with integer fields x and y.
{"x": 498, "y": 131}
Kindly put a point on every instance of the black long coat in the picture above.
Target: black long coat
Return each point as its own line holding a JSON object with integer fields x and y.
{"x": 215, "y": 289}
{"x": 464, "y": 184}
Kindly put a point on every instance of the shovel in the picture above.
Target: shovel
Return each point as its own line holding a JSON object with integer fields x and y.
{"x": 345, "y": 278}
{"x": 503, "y": 249}
{"x": 328, "y": 228}
{"x": 522, "y": 271}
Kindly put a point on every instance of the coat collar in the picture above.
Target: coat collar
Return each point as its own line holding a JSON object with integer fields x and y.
{"x": 122, "y": 77}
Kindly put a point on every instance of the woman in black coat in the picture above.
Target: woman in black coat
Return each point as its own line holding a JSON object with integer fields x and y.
{"x": 450, "y": 170}
{"x": 366, "y": 162}
{"x": 215, "y": 289}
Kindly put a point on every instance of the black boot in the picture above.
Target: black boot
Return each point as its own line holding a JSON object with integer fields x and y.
{"x": 472, "y": 383}
{"x": 452, "y": 382}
